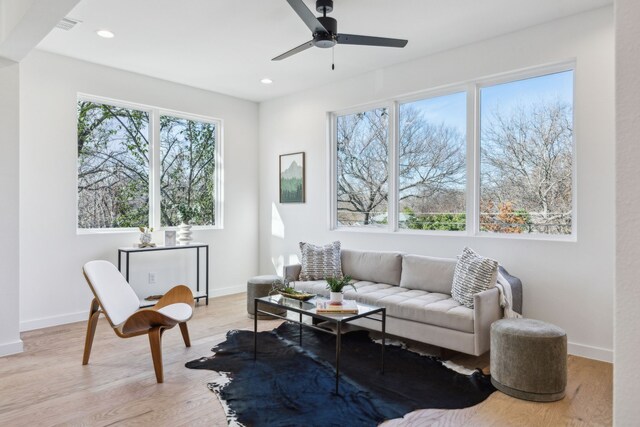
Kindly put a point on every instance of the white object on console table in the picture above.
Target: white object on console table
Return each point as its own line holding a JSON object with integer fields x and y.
{"x": 184, "y": 234}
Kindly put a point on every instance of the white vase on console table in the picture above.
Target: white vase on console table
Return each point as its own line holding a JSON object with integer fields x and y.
{"x": 184, "y": 234}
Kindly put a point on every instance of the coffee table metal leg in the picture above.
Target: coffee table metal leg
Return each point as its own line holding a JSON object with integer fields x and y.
{"x": 255, "y": 328}
{"x": 300, "y": 330}
{"x": 338, "y": 345}
{"x": 384, "y": 332}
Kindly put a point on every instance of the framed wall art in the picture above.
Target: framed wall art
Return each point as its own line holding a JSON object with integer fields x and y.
{"x": 169, "y": 237}
{"x": 292, "y": 178}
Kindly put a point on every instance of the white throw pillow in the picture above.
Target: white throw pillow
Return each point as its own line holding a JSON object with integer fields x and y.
{"x": 320, "y": 262}
{"x": 473, "y": 274}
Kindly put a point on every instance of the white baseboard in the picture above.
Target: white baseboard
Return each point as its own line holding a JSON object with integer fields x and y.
{"x": 590, "y": 352}
{"x": 81, "y": 316}
{"x": 11, "y": 348}
{"x": 46, "y": 322}
{"x": 230, "y": 290}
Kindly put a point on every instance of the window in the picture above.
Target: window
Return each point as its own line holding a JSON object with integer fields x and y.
{"x": 187, "y": 150}
{"x": 432, "y": 172}
{"x": 526, "y": 161}
{"x": 484, "y": 158}
{"x": 116, "y": 173}
{"x": 362, "y": 168}
{"x": 113, "y": 166}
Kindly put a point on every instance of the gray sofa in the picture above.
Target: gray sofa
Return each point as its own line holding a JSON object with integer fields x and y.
{"x": 416, "y": 291}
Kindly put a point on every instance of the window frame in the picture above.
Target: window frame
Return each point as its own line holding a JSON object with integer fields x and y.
{"x": 155, "y": 166}
{"x": 422, "y": 96}
{"x": 472, "y": 89}
{"x": 333, "y": 177}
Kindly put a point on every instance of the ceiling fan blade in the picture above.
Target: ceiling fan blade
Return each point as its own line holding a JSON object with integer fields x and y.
{"x": 303, "y": 46}
{"x": 370, "y": 41}
{"x": 307, "y": 16}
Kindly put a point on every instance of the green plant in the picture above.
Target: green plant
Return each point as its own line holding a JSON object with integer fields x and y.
{"x": 336, "y": 285}
{"x": 145, "y": 230}
{"x": 289, "y": 289}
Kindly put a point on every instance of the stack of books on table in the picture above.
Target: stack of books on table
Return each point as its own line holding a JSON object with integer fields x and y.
{"x": 347, "y": 307}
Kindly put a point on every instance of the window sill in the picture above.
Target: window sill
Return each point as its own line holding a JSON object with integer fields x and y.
{"x": 482, "y": 235}
{"x": 95, "y": 231}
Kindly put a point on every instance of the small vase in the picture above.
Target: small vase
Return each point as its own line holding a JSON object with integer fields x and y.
{"x": 335, "y": 298}
{"x": 145, "y": 238}
{"x": 184, "y": 234}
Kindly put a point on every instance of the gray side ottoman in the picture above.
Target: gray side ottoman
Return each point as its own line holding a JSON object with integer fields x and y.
{"x": 529, "y": 359}
{"x": 260, "y": 286}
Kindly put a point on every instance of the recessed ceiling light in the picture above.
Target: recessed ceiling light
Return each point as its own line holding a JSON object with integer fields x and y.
{"x": 266, "y": 81}
{"x": 105, "y": 34}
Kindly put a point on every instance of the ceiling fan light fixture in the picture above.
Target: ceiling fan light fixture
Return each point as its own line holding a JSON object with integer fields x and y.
{"x": 105, "y": 34}
{"x": 324, "y": 31}
{"x": 266, "y": 81}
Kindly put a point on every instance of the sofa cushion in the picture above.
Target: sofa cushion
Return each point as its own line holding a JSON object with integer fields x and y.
{"x": 427, "y": 273}
{"x": 474, "y": 274}
{"x": 379, "y": 267}
{"x": 429, "y": 307}
{"x": 320, "y": 262}
{"x": 419, "y": 306}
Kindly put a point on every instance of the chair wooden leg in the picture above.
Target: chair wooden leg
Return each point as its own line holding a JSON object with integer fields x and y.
{"x": 185, "y": 334}
{"x": 94, "y": 314}
{"x": 155, "y": 341}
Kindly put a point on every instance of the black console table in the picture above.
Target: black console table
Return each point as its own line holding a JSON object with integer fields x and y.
{"x": 197, "y": 246}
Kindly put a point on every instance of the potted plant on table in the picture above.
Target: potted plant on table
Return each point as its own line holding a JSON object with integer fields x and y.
{"x": 336, "y": 285}
{"x": 145, "y": 237}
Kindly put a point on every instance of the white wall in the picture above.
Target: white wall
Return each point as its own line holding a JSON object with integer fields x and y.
{"x": 627, "y": 339}
{"x": 9, "y": 175}
{"x": 566, "y": 283}
{"x": 53, "y": 289}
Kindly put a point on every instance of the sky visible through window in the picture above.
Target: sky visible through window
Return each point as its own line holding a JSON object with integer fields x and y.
{"x": 506, "y": 96}
{"x": 446, "y": 109}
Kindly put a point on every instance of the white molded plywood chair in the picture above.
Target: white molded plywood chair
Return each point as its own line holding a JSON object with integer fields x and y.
{"x": 121, "y": 306}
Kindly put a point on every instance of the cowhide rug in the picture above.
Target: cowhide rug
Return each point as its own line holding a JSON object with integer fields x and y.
{"x": 292, "y": 386}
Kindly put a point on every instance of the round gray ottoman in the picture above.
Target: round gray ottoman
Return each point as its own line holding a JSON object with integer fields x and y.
{"x": 260, "y": 286}
{"x": 529, "y": 359}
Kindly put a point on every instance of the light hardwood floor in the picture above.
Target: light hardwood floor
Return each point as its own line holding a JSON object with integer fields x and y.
{"x": 47, "y": 384}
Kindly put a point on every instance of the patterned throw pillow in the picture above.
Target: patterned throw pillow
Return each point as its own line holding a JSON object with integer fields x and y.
{"x": 320, "y": 262}
{"x": 473, "y": 274}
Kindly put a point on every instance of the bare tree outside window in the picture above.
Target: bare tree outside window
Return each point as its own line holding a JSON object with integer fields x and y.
{"x": 187, "y": 150}
{"x": 113, "y": 166}
{"x": 432, "y": 173}
{"x": 527, "y": 156}
{"x": 363, "y": 157}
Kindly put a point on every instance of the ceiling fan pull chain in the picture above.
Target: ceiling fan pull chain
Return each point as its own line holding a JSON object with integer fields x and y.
{"x": 333, "y": 58}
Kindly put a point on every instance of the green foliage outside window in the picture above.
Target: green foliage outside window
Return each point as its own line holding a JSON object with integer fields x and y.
{"x": 114, "y": 170}
{"x": 113, "y": 166}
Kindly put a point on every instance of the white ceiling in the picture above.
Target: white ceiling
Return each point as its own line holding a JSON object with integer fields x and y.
{"x": 226, "y": 45}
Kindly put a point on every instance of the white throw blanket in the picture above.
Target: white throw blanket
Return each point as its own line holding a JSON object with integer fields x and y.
{"x": 506, "y": 297}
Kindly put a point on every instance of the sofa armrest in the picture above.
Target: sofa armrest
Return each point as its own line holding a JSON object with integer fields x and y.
{"x": 292, "y": 272}
{"x": 486, "y": 311}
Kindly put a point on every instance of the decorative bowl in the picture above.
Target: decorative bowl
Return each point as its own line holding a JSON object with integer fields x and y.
{"x": 301, "y": 296}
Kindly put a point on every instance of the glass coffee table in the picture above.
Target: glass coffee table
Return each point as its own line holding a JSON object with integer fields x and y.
{"x": 308, "y": 308}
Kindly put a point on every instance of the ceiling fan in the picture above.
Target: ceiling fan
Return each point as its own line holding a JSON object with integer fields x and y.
{"x": 325, "y": 30}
